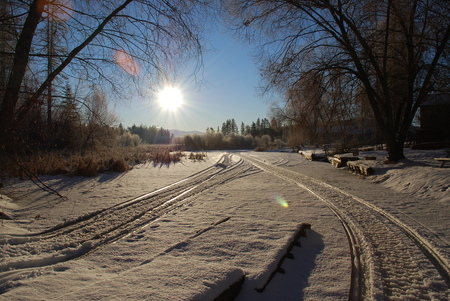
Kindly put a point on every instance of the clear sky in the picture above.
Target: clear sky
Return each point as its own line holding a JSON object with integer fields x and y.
{"x": 231, "y": 92}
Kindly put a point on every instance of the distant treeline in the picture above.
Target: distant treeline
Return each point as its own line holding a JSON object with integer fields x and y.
{"x": 260, "y": 135}
{"x": 256, "y": 129}
{"x": 217, "y": 140}
{"x": 151, "y": 134}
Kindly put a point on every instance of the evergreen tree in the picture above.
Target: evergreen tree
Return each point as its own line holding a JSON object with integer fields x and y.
{"x": 258, "y": 127}
{"x": 253, "y": 129}
{"x": 68, "y": 125}
{"x": 248, "y": 130}
{"x": 233, "y": 126}
{"x": 69, "y": 106}
{"x": 224, "y": 128}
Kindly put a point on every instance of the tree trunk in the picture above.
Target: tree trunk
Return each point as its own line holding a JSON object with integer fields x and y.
{"x": 395, "y": 140}
{"x": 395, "y": 149}
{"x": 29, "y": 103}
{"x": 17, "y": 74}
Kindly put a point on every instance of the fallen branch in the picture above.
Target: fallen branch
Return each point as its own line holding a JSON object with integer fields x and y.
{"x": 35, "y": 179}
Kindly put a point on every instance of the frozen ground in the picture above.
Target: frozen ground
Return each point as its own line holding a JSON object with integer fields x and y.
{"x": 240, "y": 225}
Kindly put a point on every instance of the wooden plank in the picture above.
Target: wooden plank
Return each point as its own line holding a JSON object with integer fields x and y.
{"x": 442, "y": 160}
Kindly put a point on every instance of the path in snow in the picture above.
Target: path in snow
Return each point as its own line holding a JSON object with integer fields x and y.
{"x": 227, "y": 221}
{"x": 78, "y": 237}
{"x": 393, "y": 264}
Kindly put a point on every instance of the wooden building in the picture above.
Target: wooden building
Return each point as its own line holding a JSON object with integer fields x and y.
{"x": 435, "y": 120}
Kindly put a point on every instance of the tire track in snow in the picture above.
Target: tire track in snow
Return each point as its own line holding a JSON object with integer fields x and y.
{"x": 394, "y": 260}
{"x": 87, "y": 233}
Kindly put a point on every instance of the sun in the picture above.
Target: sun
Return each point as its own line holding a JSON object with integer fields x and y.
{"x": 170, "y": 98}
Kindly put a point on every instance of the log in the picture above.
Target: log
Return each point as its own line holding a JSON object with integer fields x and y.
{"x": 359, "y": 168}
{"x": 340, "y": 161}
{"x": 335, "y": 161}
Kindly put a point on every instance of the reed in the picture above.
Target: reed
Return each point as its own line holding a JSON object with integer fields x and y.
{"x": 88, "y": 163}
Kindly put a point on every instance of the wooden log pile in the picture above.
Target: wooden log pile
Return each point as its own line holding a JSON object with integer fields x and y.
{"x": 313, "y": 156}
{"x": 359, "y": 168}
{"x": 339, "y": 161}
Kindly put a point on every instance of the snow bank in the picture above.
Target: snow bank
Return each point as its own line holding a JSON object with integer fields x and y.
{"x": 255, "y": 246}
{"x": 165, "y": 278}
{"x": 419, "y": 174}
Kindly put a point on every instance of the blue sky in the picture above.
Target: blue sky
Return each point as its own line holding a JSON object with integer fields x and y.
{"x": 230, "y": 92}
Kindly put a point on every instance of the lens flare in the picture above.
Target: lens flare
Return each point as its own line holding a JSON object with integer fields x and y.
{"x": 58, "y": 10}
{"x": 126, "y": 62}
{"x": 280, "y": 200}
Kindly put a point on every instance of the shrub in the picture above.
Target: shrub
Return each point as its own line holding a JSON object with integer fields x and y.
{"x": 119, "y": 166}
{"x": 128, "y": 140}
{"x": 86, "y": 170}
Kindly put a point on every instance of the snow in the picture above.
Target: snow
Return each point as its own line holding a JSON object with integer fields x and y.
{"x": 200, "y": 249}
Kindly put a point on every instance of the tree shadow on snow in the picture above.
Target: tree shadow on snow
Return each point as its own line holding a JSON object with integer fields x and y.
{"x": 107, "y": 177}
{"x": 167, "y": 165}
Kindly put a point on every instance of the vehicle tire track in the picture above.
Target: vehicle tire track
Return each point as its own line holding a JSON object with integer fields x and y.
{"x": 85, "y": 234}
{"x": 395, "y": 261}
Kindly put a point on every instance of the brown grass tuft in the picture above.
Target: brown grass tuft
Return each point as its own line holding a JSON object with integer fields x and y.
{"x": 86, "y": 170}
{"x": 119, "y": 166}
{"x": 165, "y": 156}
{"x": 197, "y": 156}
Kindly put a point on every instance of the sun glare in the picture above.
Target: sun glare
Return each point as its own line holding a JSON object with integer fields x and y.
{"x": 170, "y": 98}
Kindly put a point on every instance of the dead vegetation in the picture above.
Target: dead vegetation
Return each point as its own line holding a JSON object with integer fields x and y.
{"x": 168, "y": 157}
{"x": 87, "y": 164}
{"x": 197, "y": 156}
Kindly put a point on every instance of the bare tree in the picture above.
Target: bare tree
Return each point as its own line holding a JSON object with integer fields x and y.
{"x": 99, "y": 120}
{"x": 7, "y": 38}
{"x": 395, "y": 50}
{"x": 107, "y": 43}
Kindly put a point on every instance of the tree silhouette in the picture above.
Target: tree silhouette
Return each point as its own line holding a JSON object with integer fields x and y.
{"x": 152, "y": 36}
{"x": 394, "y": 50}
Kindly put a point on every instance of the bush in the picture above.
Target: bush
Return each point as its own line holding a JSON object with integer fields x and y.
{"x": 86, "y": 170}
{"x": 128, "y": 140}
{"x": 119, "y": 166}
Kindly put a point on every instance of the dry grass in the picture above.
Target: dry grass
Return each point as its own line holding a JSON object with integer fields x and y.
{"x": 167, "y": 157}
{"x": 197, "y": 156}
{"x": 88, "y": 164}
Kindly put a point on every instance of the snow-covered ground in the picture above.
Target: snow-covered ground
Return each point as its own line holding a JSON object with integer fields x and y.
{"x": 241, "y": 227}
